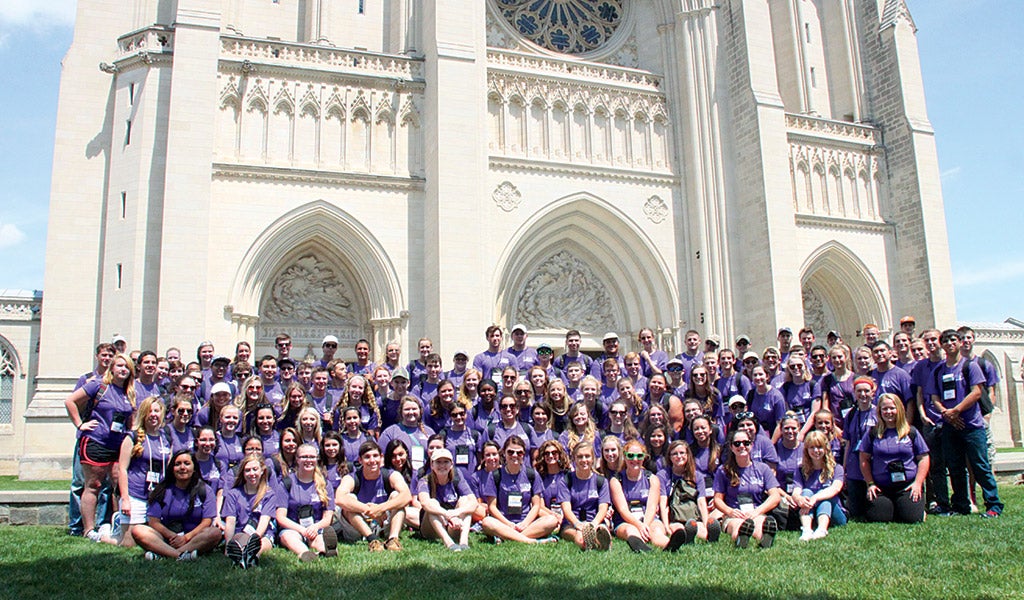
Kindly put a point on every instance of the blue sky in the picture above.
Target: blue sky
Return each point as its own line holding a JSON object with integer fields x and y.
{"x": 974, "y": 79}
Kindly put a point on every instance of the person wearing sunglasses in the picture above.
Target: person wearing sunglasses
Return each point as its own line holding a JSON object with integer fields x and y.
{"x": 636, "y": 496}
{"x": 746, "y": 492}
{"x": 552, "y": 464}
{"x": 510, "y": 426}
{"x": 514, "y": 499}
{"x": 798, "y": 390}
{"x": 684, "y": 507}
{"x": 179, "y": 430}
{"x": 762, "y": 449}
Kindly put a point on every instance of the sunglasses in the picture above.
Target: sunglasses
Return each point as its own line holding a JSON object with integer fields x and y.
{"x": 741, "y": 444}
{"x": 744, "y": 415}
{"x": 515, "y": 452}
{"x": 551, "y": 453}
{"x": 635, "y": 455}
{"x": 616, "y": 412}
{"x": 184, "y": 411}
{"x": 330, "y": 345}
{"x": 190, "y": 388}
{"x": 523, "y": 392}
{"x": 508, "y": 406}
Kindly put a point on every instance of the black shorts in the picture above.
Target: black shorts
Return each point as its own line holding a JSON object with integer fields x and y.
{"x": 92, "y": 453}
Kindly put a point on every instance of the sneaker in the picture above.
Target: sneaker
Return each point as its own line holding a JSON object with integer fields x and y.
{"x": 551, "y": 539}
{"x": 768, "y": 531}
{"x": 806, "y": 535}
{"x": 376, "y": 545}
{"x": 990, "y": 514}
{"x": 188, "y": 556}
{"x": 637, "y": 545}
{"x": 455, "y": 548}
{"x": 104, "y": 531}
{"x": 393, "y": 545}
{"x": 463, "y": 547}
{"x": 330, "y": 542}
{"x": 604, "y": 538}
{"x": 743, "y": 536}
{"x": 819, "y": 534}
{"x": 714, "y": 531}
{"x": 307, "y": 556}
{"x": 152, "y": 556}
{"x": 589, "y": 536}
{"x": 251, "y": 551}
{"x": 236, "y": 553}
{"x": 676, "y": 540}
{"x": 93, "y": 535}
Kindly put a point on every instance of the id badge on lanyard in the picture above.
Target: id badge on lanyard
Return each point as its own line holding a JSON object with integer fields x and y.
{"x": 637, "y": 509}
{"x": 515, "y": 503}
{"x": 746, "y": 502}
{"x": 418, "y": 456}
{"x": 462, "y": 456}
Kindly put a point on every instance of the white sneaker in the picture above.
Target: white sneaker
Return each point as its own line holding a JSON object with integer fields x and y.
{"x": 187, "y": 556}
{"x": 152, "y": 556}
{"x": 806, "y": 535}
{"x": 819, "y": 533}
{"x": 93, "y": 535}
{"x": 104, "y": 531}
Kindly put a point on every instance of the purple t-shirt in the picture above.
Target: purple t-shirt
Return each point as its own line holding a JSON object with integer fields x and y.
{"x": 755, "y": 482}
{"x": 840, "y": 394}
{"x": 464, "y": 447}
{"x": 177, "y": 509}
{"x": 373, "y": 491}
{"x": 491, "y": 364}
{"x": 523, "y": 360}
{"x": 950, "y": 387}
{"x": 799, "y": 397}
{"x": 894, "y": 381}
{"x": 502, "y": 433}
{"x": 148, "y": 469}
{"x": 585, "y": 496}
{"x": 180, "y": 440}
{"x": 813, "y": 482}
{"x": 637, "y": 493}
{"x": 789, "y": 464}
{"x": 214, "y": 474}
{"x": 924, "y": 378}
{"x": 659, "y": 358}
{"x": 301, "y": 495}
{"x": 514, "y": 492}
{"x": 553, "y": 491}
{"x": 889, "y": 453}
{"x": 856, "y": 425}
{"x": 271, "y": 443}
{"x": 736, "y": 384}
{"x": 350, "y": 446}
{"x": 414, "y": 439}
{"x": 768, "y": 408}
{"x": 447, "y": 494}
{"x": 229, "y": 450}
{"x": 112, "y": 412}
{"x": 239, "y": 504}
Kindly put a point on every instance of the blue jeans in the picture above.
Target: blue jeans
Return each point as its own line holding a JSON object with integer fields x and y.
{"x": 830, "y": 507}
{"x": 963, "y": 447}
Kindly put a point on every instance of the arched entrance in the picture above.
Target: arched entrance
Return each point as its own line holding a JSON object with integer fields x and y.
{"x": 840, "y": 293}
{"x": 583, "y": 264}
{"x": 317, "y": 271}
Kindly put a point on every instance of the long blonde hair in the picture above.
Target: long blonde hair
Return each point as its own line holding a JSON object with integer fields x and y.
{"x": 129, "y": 381}
{"x": 902, "y": 427}
{"x": 140, "y": 422}
{"x": 318, "y": 478}
{"x": 817, "y": 439}
{"x": 261, "y": 487}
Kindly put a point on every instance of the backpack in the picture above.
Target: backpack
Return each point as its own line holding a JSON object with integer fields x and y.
{"x": 496, "y": 474}
{"x": 357, "y": 478}
{"x": 985, "y": 402}
{"x": 682, "y": 502}
{"x": 91, "y": 404}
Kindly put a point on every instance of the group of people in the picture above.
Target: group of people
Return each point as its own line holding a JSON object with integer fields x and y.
{"x": 518, "y": 444}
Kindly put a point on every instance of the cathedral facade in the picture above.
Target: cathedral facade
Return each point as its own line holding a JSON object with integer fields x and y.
{"x": 226, "y": 170}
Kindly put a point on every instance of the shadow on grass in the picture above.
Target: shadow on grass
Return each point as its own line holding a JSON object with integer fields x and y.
{"x": 115, "y": 573}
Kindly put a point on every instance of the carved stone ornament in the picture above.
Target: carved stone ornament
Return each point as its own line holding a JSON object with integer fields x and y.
{"x": 309, "y": 291}
{"x": 566, "y": 26}
{"x": 565, "y": 293}
{"x": 655, "y": 209}
{"x": 507, "y": 196}
{"x": 814, "y": 311}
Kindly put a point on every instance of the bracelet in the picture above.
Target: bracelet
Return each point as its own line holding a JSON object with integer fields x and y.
{"x": 870, "y": 483}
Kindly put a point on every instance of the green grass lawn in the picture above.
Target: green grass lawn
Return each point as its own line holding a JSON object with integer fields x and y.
{"x": 11, "y": 482}
{"x": 959, "y": 557}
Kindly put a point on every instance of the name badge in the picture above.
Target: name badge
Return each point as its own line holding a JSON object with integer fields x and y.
{"x": 746, "y": 502}
{"x": 249, "y": 529}
{"x": 462, "y": 455}
{"x": 949, "y": 386}
{"x": 152, "y": 477}
{"x": 306, "y": 515}
{"x": 515, "y": 503}
{"x": 418, "y": 456}
{"x": 636, "y": 509}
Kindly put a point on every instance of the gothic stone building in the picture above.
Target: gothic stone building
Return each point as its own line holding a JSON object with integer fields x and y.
{"x": 391, "y": 169}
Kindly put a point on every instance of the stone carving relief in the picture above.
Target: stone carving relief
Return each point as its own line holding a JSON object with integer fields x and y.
{"x": 564, "y": 293}
{"x": 507, "y": 196}
{"x": 815, "y": 315}
{"x": 309, "y": 291}
{"x": 655, "y": 209}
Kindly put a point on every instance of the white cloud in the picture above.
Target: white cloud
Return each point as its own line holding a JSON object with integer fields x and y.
{"x": 998, "y": 273}
{"x": 10, "y": 235}
{"x": 37, "y": 14}
{"x": 949, "y": 173}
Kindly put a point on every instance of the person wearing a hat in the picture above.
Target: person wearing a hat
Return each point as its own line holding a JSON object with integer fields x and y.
{"x": 456, "y": 374}
{"x": 785, "y": 339}
{"x": 523, "y": 358}
{"x": 446, "y": 503}
{"x": 674, "y": 371}
{"x": 329, "y": 347}
{"x": 833, "y": 338}
{"x": 392, "y": 399}
{"x": 218, "y": 374}
{"x": 610, "y": 341}
{"x": 120, "y": 343}
{"x": 907, "y": 325}
{"x": 742, "y": 345}
{"x": 712, "y": 343}
{"x": 692, "y": 355}
{"x": 545, "y": 355}
{"x": 286, "y": 372}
